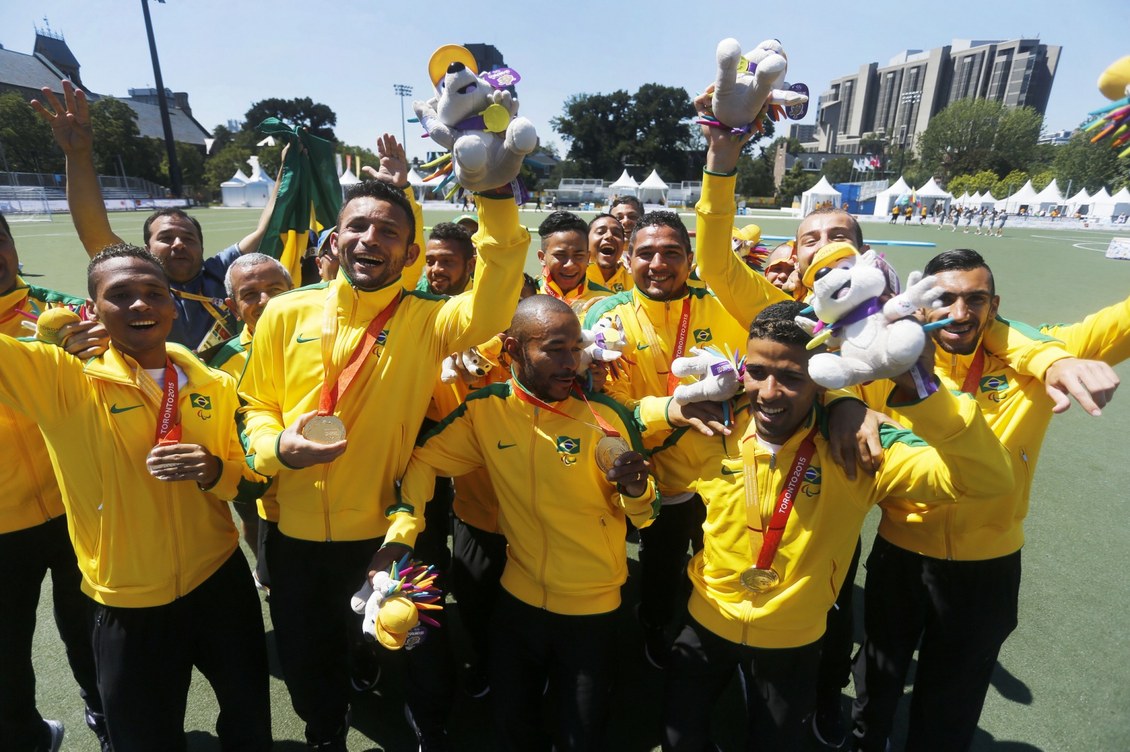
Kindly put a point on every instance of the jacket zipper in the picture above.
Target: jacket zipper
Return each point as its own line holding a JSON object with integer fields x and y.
{"x": 536, "y": 514}
{"x": 175, "y": 529}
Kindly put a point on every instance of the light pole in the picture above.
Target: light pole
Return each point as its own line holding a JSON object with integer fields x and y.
{"x": 402, "y": 91}
{"x": 163, "y": 104}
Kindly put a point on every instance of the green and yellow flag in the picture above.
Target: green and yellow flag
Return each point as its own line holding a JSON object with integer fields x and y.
{"x": 309, "y": 195}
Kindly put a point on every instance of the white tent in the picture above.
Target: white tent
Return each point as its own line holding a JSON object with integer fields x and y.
{"x": 257, "y": 192}
{"x": 1119, "y": 204}
{"x": 981, "y": 200}
{"x": 818, "y": 194}
{"x": 653, "y": 188}
{"x": 348, "y": 178}
{"x": 1102, "y": 205}
{"x": 884, "y": 200}
{"x": 964, "y": 199}
{"x": 1080, "y": 203}
{"x": 1025, "y": 198}
{"x": 419, "y": 187}
{"x": 625, "y": 185}
{"x": 234, "y": 189}
{"x": 1049, "y": 198}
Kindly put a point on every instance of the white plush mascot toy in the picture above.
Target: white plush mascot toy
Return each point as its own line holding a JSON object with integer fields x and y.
{"x": 718, "y": 378}
{"x": 874, "y": 340}
{"x": 471, "y": 364}
{"x": 475, "y": 118}
{"x": 604, "y": 343}
{"x": 753, "y": 84}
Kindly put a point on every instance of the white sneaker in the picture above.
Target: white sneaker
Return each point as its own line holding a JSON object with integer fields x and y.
{"x": 56, "y": 729}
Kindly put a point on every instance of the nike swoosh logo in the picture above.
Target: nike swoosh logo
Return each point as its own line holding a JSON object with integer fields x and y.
{"x": 505, "y": 446}
{"x": 115, "y": 409}
{"x": 728, "y": 471}
{"x": 300, "y": 339}
{"x": 640, "y": 346}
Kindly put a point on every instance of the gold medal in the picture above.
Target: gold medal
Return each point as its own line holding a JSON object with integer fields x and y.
{"x": 324, "y": 429}
{"x": 608, "y": 449}
{"x": 760, "y": 581}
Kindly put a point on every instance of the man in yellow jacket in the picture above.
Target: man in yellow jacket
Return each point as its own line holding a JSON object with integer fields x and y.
{"x": 33, "y": 540}
{"x": 607, "y": 243}
{"x": 781, "y": 526}
{"x": 336, "y": 501}
{"x": 540, "y": 439}
{"x": 144, "y": 445}
{"x": 950, "y": 576}
{"x": 564, "y": 257}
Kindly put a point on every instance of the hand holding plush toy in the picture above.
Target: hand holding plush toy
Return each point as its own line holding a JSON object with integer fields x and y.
{"x": 604, "y": 343}
{"x": 748, "y": 86}
{"x": 719, "y": 380}
{"x": 471, "y": 364}
{"x": 476, "y": 119}
{"x": 393, "y": 602}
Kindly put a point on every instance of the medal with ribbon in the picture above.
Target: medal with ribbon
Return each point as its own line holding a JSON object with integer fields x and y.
{"x": 325, "y": 427}
{"x": 610, "y": 446}
{"x": 762, "y": 577}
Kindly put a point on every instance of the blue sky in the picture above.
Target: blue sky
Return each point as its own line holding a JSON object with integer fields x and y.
{"x": 348, "y": 54}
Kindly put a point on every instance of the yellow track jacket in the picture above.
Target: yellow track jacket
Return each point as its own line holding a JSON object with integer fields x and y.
{"x": 1018, "y": 410}
{"x": 563, "y": 522}
{"x": 621, "y": 280}
{"x": 962, "y": 457}
{"x": 139, "y": 541}
{"x": 352, "y": 498}
{"x": 31, "y": 494}
{"x": 231, "y": 358}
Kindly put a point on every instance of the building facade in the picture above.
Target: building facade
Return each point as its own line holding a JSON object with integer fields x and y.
{"x": 896, "y": 101}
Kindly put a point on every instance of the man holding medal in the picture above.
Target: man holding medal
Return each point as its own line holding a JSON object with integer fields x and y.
{"x": 337, "y": 386}
{"x": 174, "y": 237}
{"x": 567, "y": 468}
{"x": 781, "y": 526}
{"x": 144, "y": 445}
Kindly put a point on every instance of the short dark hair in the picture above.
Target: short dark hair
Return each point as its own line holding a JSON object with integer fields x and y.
{"x": 456, "y": 234}
{"x": 663, "y": 219}
{"x": 838, "y": 210}
{"x": 776, "y": 323}
{"x": 629, "y": 200}
{"x": 4, "y": 224}
{"x": 562, "y": 221}
{"x": 170, "y": 211}
{"x": 603, "y": 215}
{"x": 783, "y": 310}
{"x": 382, "y": 192}
{"x": 117, "y": 251}
{"x": 960, "y": 260}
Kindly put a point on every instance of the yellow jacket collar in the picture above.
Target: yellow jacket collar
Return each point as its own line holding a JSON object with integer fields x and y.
{"x": 116, "y": 366}
{"x": 12, "y": 299}
{"x": 794, "y": 441}
{"x": 656, "y": 307}
{"x": 550, "y": 287}
{"x": 362, "y": 304}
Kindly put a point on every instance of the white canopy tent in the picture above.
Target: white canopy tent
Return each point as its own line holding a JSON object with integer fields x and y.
{"x": 653, "y": 189}
{"x": 1023, "y": 198}
{"x": 818, "y": 194}
{"x": 1049, "y": 198}
{"x": 625, "y": 185}
{"x": 419, "y": 187}
{"x": 1080, "y": 203}
{"x": 1102, "y": 205}
{"x": 931, "y": 194}
{"x": 964, "y": 199}
{"x": 233, "y": 190}
{"x": 348, "y": 178}
{"x": 1121, "y": 203}
{"x": 257, "y": 191}
{"x": 884, "y": 200}
{"x": 981, "y": 200}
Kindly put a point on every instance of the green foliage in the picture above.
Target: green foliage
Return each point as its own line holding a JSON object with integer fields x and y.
{"x": 838, "y": 169}
{"x": 316, "y": 117}
{"x": 607, "y": 131}
{"x": 116, "y": 137}
{"x": 27, "y": 143}
{"x": 1010, "y": 183}
{"x": 755, "y": 175}
{"x": 795, "y": 182}
{"x": 190, "y": 159}
{"x": 1041, "y": 180}
{"x": 873, "y": 143}
{"x": 977, "y": 183}
{"x": 979, "y": 134}
{"x": 1086, "y": 165}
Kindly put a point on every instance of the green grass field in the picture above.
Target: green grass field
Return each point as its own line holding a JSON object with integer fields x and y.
{"x": 1063, "y": 681}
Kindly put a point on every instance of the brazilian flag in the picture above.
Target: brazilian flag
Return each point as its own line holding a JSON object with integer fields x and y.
{"x": 309, "y": 196}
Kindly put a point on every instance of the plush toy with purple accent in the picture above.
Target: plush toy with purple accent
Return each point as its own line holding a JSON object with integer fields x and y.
{"x": 751, "y": 87}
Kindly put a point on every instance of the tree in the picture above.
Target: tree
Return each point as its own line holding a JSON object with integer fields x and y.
{"x": 116, "y": 137}
{"x": 27, "y": 143}
{"x": 979, "y": 134}
{"x": 1041, "y": 180}
{"x": 1010, "y": 183}
{"x": 607, "y": 131}
{"x": 838, "y": 169}
{"x": 795, "y": 182}
{"x": 317, "y": 118}
{"x": 755, "y": 175}
{"x": 1085, "y": 165}
{"x": 873, "y": 143}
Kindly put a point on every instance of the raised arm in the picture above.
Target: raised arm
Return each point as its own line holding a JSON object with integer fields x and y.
{"x": 394, "y": 171}
{"x": 742, "y": 291}
{"x": 75, "y": 136}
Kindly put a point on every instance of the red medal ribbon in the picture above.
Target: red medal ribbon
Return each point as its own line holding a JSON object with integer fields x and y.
{"x": 552, "y": 290}
{"x": 680, "y": 343}
{"x": 772, "y": 538}
{"x": 976, "y": 369}
{"x": 328, "y": 400}
{"x": 522, "y": 394}
{"x": 168, "y": 423}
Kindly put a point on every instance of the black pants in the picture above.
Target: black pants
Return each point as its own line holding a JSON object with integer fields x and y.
{"x": 478, "y": 558}
{"x": 25, "y": 557}
{"x": 779, "y": 684}
{"x": 267, "y": 532}
{"x": 576, "y": 654}
{"x": 145, "y": 658}
{"x": 839, "y": 638}
{"x": 664, "y": 586}
{"x": 961, "y": 612}
{"x": 315, "y": 627}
